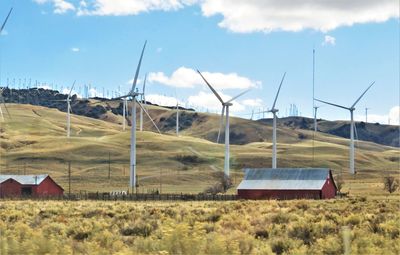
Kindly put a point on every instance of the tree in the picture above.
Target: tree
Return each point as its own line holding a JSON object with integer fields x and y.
{"x": 391, "y": 184}
{"x": 339, "y": 183}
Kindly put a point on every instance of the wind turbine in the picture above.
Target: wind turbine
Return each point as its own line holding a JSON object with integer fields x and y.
{"x": 143, "y": 99}
{"x": 351, "y": 109}
{"x": 133, "y": 94}
{"x": 225, "y": 107}
{"x": 274, "y": 111}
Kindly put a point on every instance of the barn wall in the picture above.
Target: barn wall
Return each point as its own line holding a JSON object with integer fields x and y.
{"x": 328, "y": 190}
{"x": 279, "y": 194}
{"x": 10, "y": 188}
{"x": 48, "y": 188}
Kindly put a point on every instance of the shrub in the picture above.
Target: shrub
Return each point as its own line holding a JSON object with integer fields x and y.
{"x": 280, "y": 246}
{"x": 142, "y": 229}
{"x": 303, "y": 231}
{"x": 391, "y": 184}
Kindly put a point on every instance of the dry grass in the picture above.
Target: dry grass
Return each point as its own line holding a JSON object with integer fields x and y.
{"x": 34, "y": 139}
{"x": 240, "y": 227}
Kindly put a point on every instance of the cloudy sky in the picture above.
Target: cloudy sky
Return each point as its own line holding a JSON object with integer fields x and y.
{"x": 237, "y": 44}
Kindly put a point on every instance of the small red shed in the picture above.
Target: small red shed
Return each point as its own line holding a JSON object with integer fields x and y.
{"x": 287, "y": 183}
{"x": 29, "y": 186}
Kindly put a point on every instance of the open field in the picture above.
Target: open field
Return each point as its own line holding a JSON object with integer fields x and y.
{"x": 239, "y": 227}
{"x": 34, "y": 142}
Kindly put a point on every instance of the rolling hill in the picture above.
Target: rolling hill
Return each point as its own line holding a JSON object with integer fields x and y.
{"x": 199, "y": 125}
{"x": 33, "y": 141}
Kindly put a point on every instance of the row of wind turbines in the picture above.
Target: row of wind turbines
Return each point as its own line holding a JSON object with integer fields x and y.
{"x": 138, "y": 99}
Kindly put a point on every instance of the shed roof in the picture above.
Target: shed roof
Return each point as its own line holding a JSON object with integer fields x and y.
{"x": 284, "y": 178}
{"x": 25, "y": 179}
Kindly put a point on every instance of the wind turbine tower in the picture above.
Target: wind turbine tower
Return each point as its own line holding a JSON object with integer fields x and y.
{"x": 225, "y": 109}
{"x": 351, "y": 109}
{"x": 133, "y": 94}
{"x": 274, "y": 111}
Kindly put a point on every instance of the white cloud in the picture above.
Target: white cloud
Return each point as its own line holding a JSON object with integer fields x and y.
{"x": 75, "y": 49}
{"x": 257, "y": 102}
{"x": 159, "y": 50}
{"x": 245, "y": 16}
{"x": 188, "y": 78}
{"x": 130, "y": 7}
{"x": 208, "y": 101}
{"x": 329, "y": 40}
{"x": 163, "y": 100}
{"x": 60, "y": 6}
{"x": 393, "y": 116}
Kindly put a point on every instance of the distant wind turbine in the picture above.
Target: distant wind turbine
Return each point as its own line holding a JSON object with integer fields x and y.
{"x": 225, "y": 107}
{"x": 133, "y": 94}
{"x": 351, "y": 109}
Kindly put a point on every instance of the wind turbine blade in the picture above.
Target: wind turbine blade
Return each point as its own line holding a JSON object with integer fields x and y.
{"x": 70, "y": 91}
{"x": 221, "y": 123}
{"x": 336, "y": 105}
{"x": 241, "y": 94}
{"x": 212, "y": 89}
{"x": 121, "y": 97}
{"x": 148, "y": 115}
{"x": 144, "y": 87}
{"x": 5, "y": 21}
{"x": 277, "y": 94}
{"x": 138, "y": 69}
{"x": 362, "y": 95}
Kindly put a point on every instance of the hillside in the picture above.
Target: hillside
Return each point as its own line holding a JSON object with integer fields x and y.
{"x": 202, "y": 125}
{"x": 33, "y": 141}
{"x": 373, "y": 132}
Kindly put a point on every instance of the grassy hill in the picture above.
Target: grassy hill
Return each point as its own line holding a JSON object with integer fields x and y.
{"x": 34, "y": 141}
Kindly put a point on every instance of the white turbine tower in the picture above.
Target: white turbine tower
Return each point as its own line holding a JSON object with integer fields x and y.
{"x": 274, "y": 111}
{"x": 133, "y": 94}
{"x": 351, "y": 109}
{"x": 225, "y": 107}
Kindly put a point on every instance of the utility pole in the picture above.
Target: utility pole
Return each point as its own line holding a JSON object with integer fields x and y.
{"x": 160, "y": 179}
{"x": 109, "y": 165}
{"x": 69, "y": 179}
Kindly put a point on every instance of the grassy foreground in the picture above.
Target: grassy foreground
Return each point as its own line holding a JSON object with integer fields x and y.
{"x": 240, "y": 227}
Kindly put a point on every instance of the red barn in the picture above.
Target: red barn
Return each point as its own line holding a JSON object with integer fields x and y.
{"x": 29, "y": 186}
{"x": 287, "y": 183}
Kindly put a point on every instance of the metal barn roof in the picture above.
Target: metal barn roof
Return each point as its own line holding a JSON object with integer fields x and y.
{"x": 284, "y": 179}
{"x": 25, "y": 179}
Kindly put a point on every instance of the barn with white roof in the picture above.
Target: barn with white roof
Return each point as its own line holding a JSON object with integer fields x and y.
{"x": 287, "y": 183}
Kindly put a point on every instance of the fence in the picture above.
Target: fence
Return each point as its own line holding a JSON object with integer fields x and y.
{"x": 149, "y": 197}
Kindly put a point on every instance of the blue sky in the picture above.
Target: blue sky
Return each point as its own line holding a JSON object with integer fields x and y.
{"x": 237, "y": 44}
